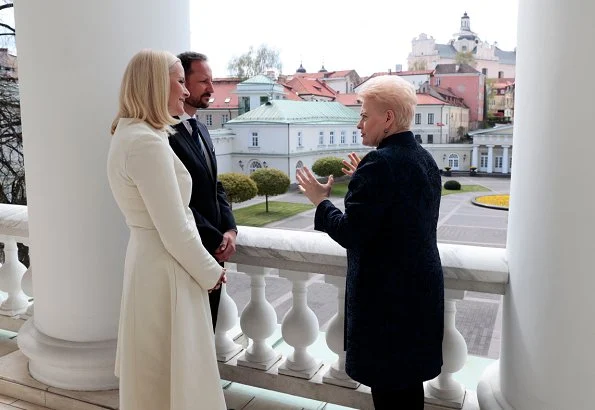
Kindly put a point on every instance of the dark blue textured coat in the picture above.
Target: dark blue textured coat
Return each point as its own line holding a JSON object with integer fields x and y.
{"x": 394, "y": 298}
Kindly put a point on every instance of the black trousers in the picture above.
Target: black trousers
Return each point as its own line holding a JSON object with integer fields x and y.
{"x": 411, "y": 398}
{"x": 214, "y": 298}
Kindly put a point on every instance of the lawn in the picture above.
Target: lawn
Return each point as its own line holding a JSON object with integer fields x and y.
{"x": 465, "y": 188}
{"x": 255, "y": 215}
{"x": 340, "y": 189}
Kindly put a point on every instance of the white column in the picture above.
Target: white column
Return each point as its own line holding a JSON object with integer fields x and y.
{"x": 505, "y": 160}
{"x": 490, "y": 159}
{"x": 475, "y": 157}
{"x": 72, "y": 55}
{"x": 454, "y": 354}
{"x": 335, "y": 336}
{"x": 299, "y": 329}
{"x": 258, "y": 322}
{"x": 546, "y": 360}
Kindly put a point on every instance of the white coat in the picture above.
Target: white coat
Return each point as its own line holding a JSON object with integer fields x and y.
{"x": 166, "y": 351}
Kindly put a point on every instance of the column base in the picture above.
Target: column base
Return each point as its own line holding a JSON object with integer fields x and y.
{"x": 68, "y": 365}
{"x": 489, "y": 394}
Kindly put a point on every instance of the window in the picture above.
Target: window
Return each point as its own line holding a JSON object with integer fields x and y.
{"x": 498, "y": 162}
{"x": 211, "y": 100}
{"x": 224, "y": 118}
{"x": 483, "y": 161}
{"x": 244, "y": 105}
{"x": 430, "y": 138}
{"x": 255, "y": 139}
{"x": 321, "y": 138}
{"x": 300, "y": 141}
{"x": 437, "y": 81}
{"x": 254, "y": 165}
{"x": 418, "y": 138}
{"x": 431, "y": 118}
{"x": 264, "y": 100}
{"x": 417, "y": 118}
{"x": 354, "y": 137}
{"x": 227, "y": 100}
{"x": 331, "y": 138}
{"x": 209, "y": 119}
{"x": 453, "y": 161}
{"x": 464, "y": 48}
{"x": 342, "y": 137}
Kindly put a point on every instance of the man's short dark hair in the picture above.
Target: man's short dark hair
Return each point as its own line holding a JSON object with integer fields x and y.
{"x": 187, "y": 57}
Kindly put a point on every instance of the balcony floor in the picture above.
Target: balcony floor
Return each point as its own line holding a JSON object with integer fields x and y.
{"x": 18, "y": 390}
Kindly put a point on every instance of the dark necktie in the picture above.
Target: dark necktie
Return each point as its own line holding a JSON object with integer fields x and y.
{"x": 194, "y": 126}
{"x": 198, "y": 139}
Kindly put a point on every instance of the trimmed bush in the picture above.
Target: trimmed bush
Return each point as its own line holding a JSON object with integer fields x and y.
{"x": 238, "y": 187}
{"x": 452, "y": 185}
{"x": 270, "y": 182}
{"x": 326, "y": 166}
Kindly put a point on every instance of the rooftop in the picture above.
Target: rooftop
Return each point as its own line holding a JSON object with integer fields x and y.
{"x": 290, "y": 112}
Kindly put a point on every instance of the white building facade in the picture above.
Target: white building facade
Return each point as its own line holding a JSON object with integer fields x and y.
{"x": 492, "y": 149}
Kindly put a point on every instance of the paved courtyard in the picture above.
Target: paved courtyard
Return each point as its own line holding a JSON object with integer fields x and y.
{"x": 478, "y": 315}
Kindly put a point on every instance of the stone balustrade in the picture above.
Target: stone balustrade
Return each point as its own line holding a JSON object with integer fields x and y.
{"x": 297, "y": 256}
{"x": 15, "y": 278}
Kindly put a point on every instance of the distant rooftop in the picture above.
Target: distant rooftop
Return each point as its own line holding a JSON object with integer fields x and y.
{"x": 291, "y": 112}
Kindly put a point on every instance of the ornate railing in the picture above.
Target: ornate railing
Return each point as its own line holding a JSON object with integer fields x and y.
{"x": 15, "y": 278}
{"x": 297, "y": 256}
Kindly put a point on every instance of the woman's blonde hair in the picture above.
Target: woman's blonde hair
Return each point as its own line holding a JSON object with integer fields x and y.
{"x": 145, "y": 89}
{"x": 391, "y": 92}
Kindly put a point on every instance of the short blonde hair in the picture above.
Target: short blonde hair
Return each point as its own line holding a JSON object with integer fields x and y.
{"x": 145, "y": 89}
{"x": 391, "y": 92}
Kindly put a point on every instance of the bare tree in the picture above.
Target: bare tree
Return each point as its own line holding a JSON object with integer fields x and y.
{"x": 254, "y": 62}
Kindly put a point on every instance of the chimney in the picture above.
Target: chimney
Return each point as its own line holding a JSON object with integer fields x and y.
{"x": 389, "y": 72}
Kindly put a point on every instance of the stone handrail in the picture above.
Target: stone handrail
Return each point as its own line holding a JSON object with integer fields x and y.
{"x": 465, "y": 267}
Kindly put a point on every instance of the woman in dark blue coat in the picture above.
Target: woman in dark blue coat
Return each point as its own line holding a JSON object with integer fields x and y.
{"x": 394, "y": 298}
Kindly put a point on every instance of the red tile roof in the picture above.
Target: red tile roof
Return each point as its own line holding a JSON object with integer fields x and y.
{"x": 309, "y": 86}
{"x": 347, "y": 99}
{"x": 290, "y": 93}
{"x": 225, "y": 88}
{"x": 427, "y": 99}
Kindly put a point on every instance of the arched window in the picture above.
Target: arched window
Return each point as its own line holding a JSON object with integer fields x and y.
{"x": 299, "y": 165}
{"x": 254, "y": 165}
{"x": 453, "y": 161}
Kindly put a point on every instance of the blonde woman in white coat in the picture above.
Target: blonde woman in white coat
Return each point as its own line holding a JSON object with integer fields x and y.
{"x": 166, "y": 351}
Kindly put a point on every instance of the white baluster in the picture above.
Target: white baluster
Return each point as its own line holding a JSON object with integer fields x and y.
{"x": 299, "y": 329}
{"x": 258, "y": 322}
{"x": 10, "y": 281}
{"x": 335, "y": 337}
{"x": 454, "y": 354}
{"x": 227, "y": 318}
{"x": 27, "y": 286}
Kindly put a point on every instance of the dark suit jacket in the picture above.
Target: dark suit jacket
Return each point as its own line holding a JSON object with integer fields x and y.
{"x": 208, "y": 201}
{"x": 394, "y": 297}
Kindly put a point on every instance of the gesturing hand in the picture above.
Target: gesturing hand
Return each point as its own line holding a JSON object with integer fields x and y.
{"x": 314, "y": 190}
{"x": 351, "y": 166}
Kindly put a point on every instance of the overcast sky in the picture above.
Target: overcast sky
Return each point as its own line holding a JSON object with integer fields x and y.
{"x": 369, "y": 36}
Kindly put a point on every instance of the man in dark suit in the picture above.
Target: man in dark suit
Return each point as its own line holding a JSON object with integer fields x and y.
{"x": 394, "y": 291}
{"x": 192, "y": 144}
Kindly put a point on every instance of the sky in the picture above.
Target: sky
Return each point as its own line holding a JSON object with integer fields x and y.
{"x": 367, "y": 36}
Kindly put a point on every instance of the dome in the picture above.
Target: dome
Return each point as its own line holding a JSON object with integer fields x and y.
{"x": 301, "y": 69}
